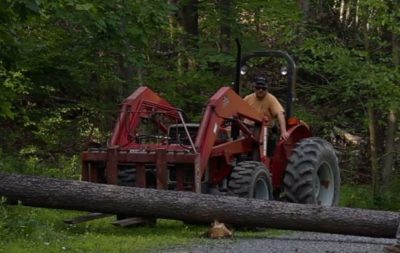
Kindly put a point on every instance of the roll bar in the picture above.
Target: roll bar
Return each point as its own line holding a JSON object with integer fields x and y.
{"x": 291, "y": 68}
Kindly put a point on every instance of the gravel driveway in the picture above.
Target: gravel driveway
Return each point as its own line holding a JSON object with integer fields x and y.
{"x": 296, "y": 242}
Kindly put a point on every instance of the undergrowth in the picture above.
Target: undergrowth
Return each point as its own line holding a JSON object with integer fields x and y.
{"x": 359, "y": 196}
{"x": 33, "y": 164}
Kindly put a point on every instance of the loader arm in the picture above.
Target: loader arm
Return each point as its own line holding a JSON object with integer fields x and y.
{"x": 226, "y": 105}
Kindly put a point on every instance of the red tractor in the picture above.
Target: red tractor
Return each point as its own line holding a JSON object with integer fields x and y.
{"x": 154, "y": 146}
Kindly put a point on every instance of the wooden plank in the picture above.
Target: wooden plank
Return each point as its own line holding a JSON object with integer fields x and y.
{"x": 131, "y": 221}
{"x": 87, "y": 217}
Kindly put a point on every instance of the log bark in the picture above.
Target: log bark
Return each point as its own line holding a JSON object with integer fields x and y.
{"x": 131, "y": 201}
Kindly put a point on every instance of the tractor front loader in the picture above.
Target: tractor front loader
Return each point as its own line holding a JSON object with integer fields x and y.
{"x": 153, "y": 146}
{"x": 228, "y": 152}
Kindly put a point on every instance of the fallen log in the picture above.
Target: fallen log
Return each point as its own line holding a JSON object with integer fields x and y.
{"x": 140, "y": 202}
{"x": 346, "y": 137}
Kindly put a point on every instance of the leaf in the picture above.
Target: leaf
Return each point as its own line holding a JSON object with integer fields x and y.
{"x": 32, "y": 5}
{"x": 84, "y": 7}
{"x": 6, "y": 110}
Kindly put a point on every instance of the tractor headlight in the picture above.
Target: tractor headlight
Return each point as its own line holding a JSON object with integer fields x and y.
{"x": 284, "y": 71}
{"x": 244, "y": 69}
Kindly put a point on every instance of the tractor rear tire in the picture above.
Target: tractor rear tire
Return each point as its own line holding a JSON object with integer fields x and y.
{"x": 126, "y": 176}
{"x": 251, "y": 179}
{"x": 312, "y": 175}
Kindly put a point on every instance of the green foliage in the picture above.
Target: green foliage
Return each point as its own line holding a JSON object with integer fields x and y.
{"x": 381, "y": 13}
{"x": 273, "y": 22}
{"x": 317, "y": 124}
{"x": 348, "y": 79}
{"x": 13, "y": 86}
{"x": 355, "y": 196}
{"x": 63, "y": 68}
{"x": 29, "y": 162}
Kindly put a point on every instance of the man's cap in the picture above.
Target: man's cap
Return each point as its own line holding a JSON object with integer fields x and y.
{"x": 260, "y": 82}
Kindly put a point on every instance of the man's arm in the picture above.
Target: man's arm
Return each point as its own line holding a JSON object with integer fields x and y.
{"x": 278, "y": 112}
{"x": 282, "y": 125}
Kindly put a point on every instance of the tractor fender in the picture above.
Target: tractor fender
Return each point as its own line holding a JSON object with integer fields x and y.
{"x": 283, "y": 150}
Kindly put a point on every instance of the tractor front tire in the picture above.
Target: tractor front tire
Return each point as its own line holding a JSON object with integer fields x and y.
{"x": 251, "y": 179}
{"x": 312, "y": 175}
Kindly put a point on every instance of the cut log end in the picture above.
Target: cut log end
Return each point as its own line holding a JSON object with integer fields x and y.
{"x": 218, "y": 230}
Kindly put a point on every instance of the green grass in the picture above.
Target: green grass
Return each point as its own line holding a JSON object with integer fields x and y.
{"x": 28, "y": 229}
{"x": 43, "y": 230}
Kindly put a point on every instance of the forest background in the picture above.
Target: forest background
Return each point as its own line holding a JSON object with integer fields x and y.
{"x": 65, "y": 65}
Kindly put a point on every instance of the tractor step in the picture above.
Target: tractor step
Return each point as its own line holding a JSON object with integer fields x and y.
{"x": 87, "y": 217}
{"x": 132, "y": 221}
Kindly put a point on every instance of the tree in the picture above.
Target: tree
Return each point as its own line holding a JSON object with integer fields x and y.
{"x": 388, "y": 161}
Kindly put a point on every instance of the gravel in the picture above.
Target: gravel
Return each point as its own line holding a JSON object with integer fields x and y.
{"x": 295, "y": 242}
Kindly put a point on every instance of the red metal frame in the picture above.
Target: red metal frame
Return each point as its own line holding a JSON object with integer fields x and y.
{"x": 224, "y": 105}
{"x": 210, "y": 153}
{"x": 140, "y": 104}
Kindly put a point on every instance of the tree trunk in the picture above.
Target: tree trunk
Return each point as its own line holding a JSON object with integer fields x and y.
{"x": 392, "y": 124}
{"x": 389, "y": 148}
{"x": 305, "y": 7}
{"x": 395, "y": 50}
{"x": 226, "y": 19}
{"x": 373, "y": 150}
{"x": 189, "y": 19}
{"x": 372, "y": 124}
{"x": 175, "y": 41}
{"x": 131, "y": 201}
{"x": 225, "y": 13}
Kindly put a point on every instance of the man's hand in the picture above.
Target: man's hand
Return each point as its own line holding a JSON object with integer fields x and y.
{"x": 282, "y": 126}
{"x": 284, "y": 135}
